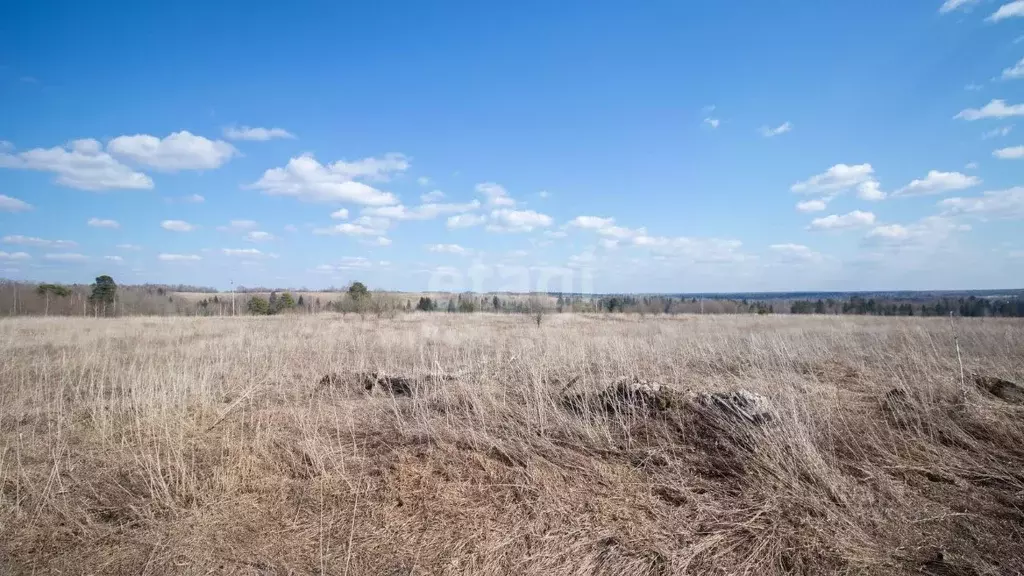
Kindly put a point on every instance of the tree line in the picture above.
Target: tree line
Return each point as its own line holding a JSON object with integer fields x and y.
{"x": 105, "y": 298}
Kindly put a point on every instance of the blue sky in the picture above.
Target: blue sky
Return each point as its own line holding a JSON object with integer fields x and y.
{"x": 595, "y": 146}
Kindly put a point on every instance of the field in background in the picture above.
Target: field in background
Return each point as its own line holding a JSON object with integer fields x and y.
{"x": 186, "y": 445}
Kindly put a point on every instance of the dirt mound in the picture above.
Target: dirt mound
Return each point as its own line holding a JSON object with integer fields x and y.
{"x": 1003, "y": 389}
{"x": 738, "y": 406}
{"x": 627, "y": 394}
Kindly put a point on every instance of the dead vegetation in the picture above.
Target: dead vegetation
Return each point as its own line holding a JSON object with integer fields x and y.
{"x": 475, "y": 444}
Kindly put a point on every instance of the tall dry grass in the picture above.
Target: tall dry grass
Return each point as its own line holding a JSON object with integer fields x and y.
{"x": 199, "y": 446}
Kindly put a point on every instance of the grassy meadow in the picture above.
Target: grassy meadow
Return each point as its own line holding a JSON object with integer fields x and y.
{"x": 183, "y": 445}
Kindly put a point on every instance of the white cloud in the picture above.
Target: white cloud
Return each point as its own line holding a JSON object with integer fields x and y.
{"x": 32, "y": 241}
{"x": 971, "y": 166}
{"x": 994, "y": 109}
{"x": 712, "y": 122}
{"x": 259, "y": 236}
{"x": 996, "y": 132}
{"x": 256, "y": 134}
{"x": 837, "y": 178}
{"x": 243, "y": 252}
{"x": 544, "y": 194}
{"x": 448, "y": 248}
{"x": 466, "y": 220}
{"x": 81, "y": 164}
{"x": 1011, "y": 153}
{"x": 101, "y": 223}
{"x": 870, "y": 191}
{"x": 780, "y": 129}
{"x": 9, "y": 204}
{"x": 179, "y": 257}
{"x": 177, "y": 226}
{"x": 1015, "y": 71}
{"x": 290, "y": 228}
{"x": 702, "y": 250}
{"x": 1007, "y": 203}
{"x": 178, "y": 151}
{"x": 928, "y": 230}
{"x": 938, "y": 182}
{"x": 605, "y": 227}
{"x": 364, "y": 226}
{"x": 795, "y": 252}
{"x": 855, "y": 219}
{"x": 495, "y": 193}
{"x": 117, "y": 259}
{"x": 306, "y": 179}
{"x": 432, "y": 196}
{"x": 66, "y": 257}
{"x": 238, "y": 226}
{"x": 1013, "y": 9}
{"x": 14, "y": 256}
{"x": 378, "y": 241}
{"x": 812, "y": 205}
{"x": 128, "y": 247}
{"x": 193, "y": 199}
{"x": 608, "y": 243}
{"x": 422, "y": 212}
{"x": 973, "y": 87}
{"x": 951, "y": 5}
{"x": 506, "y": 220}
{"x": 424, "y": 181}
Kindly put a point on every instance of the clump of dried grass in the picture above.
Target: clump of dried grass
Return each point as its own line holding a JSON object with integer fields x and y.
{"x": 178, "y": 445}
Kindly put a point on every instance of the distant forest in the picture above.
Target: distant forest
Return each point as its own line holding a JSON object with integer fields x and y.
{"x": 106, "y": 298}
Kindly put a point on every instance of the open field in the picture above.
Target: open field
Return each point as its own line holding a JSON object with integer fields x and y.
{"x": 207, "y": 445}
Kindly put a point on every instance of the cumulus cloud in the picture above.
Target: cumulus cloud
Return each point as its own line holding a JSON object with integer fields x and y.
{"x": 835, "y": 179}
{"x": 994, "y": 109}
{"x": 1011, "y": 153}
{"x": 9, "y": 204}
{"x": 82, "y": 164}
{"x": 259, "y": 236}
{"x": 605, "y": 227}
{"x": 238, "y": 226}
{"x": 363, "y": 226}
{"x": 712, "y": 122}
{"x": 256, "y": 134}
{"x": 422, "y": 212}
{"x": 951, "y": 5}
{"x": 33, "y": 241}
{"x": 768, "y": 132}
{"x": 193, "y": 199}
{"x": 928, "y": 230}
{"x": 306, "y": 179}
{"x": 855, "y": 219}
{"x": 1007, "y": 203}
{"x": 1015, "y": 71}
{"x": 466, "y": 220}
{"x": 795, "y": 252}
{"x": 447, "y": 248}
{"x": 432, "y": 196}
{"x": 178, "y": 151}
{"x": 938, "y": 182}
{"x": 812, "y": 205}
{"x": 102, "y": 223}
{"x": 177, "y": 226}
{"x": 179, "y": 257}
{"x": 495, "y": 193}
{"x": 245, "y": 253}
{"x": 14, "y": 256}
{"x": 996, "y": 132}
{"x": 66, "y": 257}
{"x": 506, "y": 220}
{"x": 117, "y": 259}
{"x": 128, "y": 247}
{"x": 1013, "y": 9}
{"x": 870, "y": 191}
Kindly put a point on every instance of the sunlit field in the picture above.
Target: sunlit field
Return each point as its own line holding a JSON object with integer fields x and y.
{"x": 491, "y": 444}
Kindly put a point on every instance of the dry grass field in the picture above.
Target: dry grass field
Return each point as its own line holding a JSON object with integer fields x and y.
{"x": 217, "y": 446}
